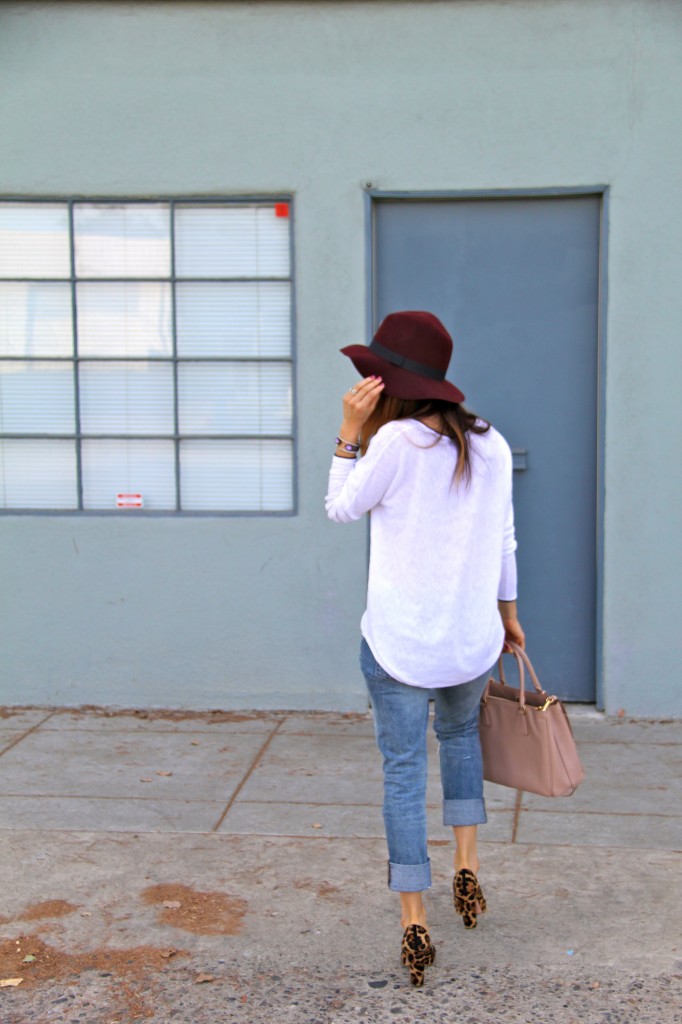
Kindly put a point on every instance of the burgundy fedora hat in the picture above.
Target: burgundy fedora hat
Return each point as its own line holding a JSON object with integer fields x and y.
{"x": 411, "y": 352}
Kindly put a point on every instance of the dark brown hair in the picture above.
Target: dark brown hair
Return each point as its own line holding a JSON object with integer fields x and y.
{"x": 456, "y": 423}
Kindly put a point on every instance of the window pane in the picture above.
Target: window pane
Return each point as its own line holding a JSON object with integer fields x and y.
{"x": 36, "y": 398}
{"x": 122, "y": 240}
{"x": 38, "y": 474}
{"x": 231, "y": 241}
{"x": 35, "y": 319}
{"x": 234, "y": 398}
{"x": 111, "y": 468}
{"x": 272, "y": 240}
{"x": 127, "y": 318}
{"x": 34, "y": 240}
{"x": 126, "y": 398}
{"x": 244, "y": 318}
{"x": 239, "y": 476}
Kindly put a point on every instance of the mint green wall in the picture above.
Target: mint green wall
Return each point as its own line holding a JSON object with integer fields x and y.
{"x": 317, "y": 99}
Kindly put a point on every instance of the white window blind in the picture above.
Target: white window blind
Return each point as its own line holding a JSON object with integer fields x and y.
{"x": 231, "y": 242}
{"x": 38, "y": 474}
{"x": 36, "y": 398}
{"x": 128, "y": 318}
{"x": 249, "y": 319}
{"x": 122, "y": 240}
{"x": 123, "y": 468}
{"x": 259, "y": 402}
{"x": 249, "y": 473}
{"x": 126, "y": 398}
{"x": 34, "y": 240}
{"x": 145, "y": 351}
{"x": 35, "y": 319}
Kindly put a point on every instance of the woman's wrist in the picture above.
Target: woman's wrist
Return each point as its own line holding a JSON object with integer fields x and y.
{"x": 350, "y": 430}
{"x": 347, "y": 441}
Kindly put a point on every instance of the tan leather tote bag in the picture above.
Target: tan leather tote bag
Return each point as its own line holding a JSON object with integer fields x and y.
{"x": 526, "y": 737}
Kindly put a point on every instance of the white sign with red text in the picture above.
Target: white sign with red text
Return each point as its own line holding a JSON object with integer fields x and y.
{"x": 129, "y": 501}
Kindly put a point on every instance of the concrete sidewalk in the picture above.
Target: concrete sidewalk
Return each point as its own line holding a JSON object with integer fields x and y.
{"x": 231, "y": 867}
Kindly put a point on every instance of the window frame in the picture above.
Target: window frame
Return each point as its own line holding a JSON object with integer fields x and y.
{"x": 174, "y": 360}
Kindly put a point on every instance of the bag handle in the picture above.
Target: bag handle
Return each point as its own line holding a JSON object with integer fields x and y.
{"x": 522, "y": 692}
{"x": 521, "y": 660}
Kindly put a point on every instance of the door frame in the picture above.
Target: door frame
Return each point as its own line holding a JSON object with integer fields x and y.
{"x": 374, "y": 196}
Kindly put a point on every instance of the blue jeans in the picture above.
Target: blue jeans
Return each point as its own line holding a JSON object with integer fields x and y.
{"x": 401, "y": 716}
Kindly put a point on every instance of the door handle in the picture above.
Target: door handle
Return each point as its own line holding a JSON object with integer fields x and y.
{"x": 519, "y": 459}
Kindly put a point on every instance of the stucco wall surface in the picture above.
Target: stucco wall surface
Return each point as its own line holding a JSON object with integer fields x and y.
{"x": 317, "y": 100}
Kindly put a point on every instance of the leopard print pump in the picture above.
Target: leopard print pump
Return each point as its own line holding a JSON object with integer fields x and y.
{"x": 468, "y": 897}
{"x": 417, "y": 952}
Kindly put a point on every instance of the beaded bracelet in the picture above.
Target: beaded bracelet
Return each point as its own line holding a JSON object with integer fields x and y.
{"x": 347, "y": 446}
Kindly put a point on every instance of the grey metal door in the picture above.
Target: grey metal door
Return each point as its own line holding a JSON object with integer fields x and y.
{"x": 516, "y": 281}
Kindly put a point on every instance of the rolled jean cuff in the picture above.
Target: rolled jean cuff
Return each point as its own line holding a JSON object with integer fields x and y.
{"x": 464, "y": 812}
{"x": 409, "y": 877}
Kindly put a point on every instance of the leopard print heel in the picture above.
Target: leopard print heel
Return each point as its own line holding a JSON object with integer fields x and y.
{"x": 468, "y": 897}
{"x": 417, "y": 952}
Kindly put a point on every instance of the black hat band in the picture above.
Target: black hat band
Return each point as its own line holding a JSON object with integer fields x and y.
{"x": 405, "y": 363}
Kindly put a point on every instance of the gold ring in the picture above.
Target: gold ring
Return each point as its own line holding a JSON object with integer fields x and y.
{"x": 353, "y": 391}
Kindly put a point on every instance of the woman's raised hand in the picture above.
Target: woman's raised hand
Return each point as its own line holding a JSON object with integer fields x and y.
{"x": 359, "y": 402}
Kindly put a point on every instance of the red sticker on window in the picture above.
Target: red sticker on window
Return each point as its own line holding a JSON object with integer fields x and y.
{"x": 281, "y": 209}
{"x": 129, "y": 501}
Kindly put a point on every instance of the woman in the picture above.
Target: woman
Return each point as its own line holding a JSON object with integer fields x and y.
{"x": 441, "y": 598}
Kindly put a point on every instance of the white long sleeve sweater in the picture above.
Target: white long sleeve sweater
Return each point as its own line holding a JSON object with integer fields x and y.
{"x": 441, "y": 553}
